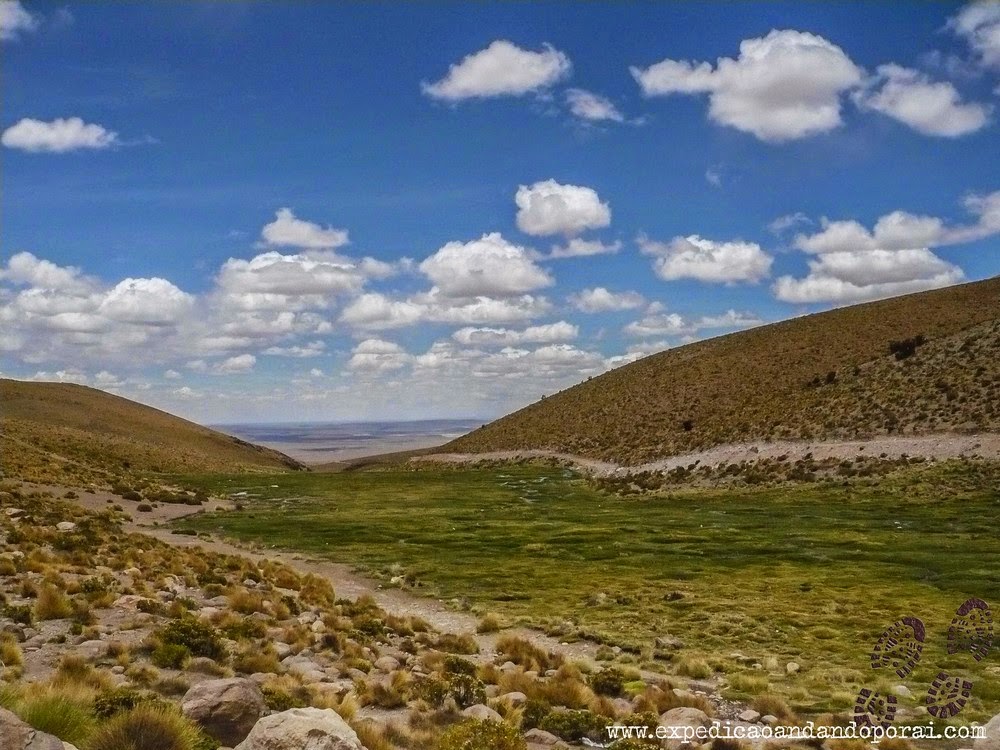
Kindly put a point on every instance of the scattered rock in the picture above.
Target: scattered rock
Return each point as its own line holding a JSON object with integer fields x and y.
{"x": 540, "y": 737}
{"x": 792, "y": 668}
{"x": 65, "y": 526}
{"x": 225, "y": 709}
{"x": 15, "y": 734}
{"x": 769, "y": 719}
{"x": 902, "y": 691}
{"x": 298, "y": 728}
{"x": 750, "y": 716}
{"x": 481, "y": 712}
{"x": 992, "y": 739}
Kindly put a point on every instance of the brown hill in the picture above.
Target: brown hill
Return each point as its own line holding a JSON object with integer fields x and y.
{"x": 919, "y": 363}
{"x": 59, "y": 430}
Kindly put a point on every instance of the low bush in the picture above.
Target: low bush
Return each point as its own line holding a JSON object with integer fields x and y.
{"x": 482, "y": 735}
{"x": 573, "y": 726}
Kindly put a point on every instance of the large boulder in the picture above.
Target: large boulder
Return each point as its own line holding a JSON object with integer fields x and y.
{"x": 226, "y": 709}
{"x": 992, "y": 739}
{"x": 16, "y": 735}
{"x": 302, "y": 729}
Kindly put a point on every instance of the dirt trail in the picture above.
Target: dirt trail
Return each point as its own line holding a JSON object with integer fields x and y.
{"x": 346, "y": 582}
{"x": 351, "y": 585}
{"x": 937, "y": 447}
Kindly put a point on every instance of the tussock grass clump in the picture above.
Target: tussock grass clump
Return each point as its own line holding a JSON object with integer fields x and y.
{"x": 148, "y": 727}
{"x": 10, "y": 651}
{"x": 526, "y": 654}
{"x": 775, "y": 705}
{"x": 64, "y": 712}
{"x": 52, "y": 604}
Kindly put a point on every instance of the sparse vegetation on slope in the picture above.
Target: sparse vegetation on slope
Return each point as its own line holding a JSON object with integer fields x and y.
{"x": 64, "y": 432}
{"x": 921, "y": 363}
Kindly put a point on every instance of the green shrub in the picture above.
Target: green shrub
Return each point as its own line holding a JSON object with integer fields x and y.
{"x": 482, "y": 735}
{"x": 533, "y": 713}
{"x": 114, "y": 701}
{"x": 466, "y": 690}
{"x": 573, "y": 726}
{"x": 608, "y": 681}
{"x": 170, "y": 656}
{"x": 149, "y": 727}
{"x": 457, "y": 665}
{"x": 199, "y": 637}
{"x": 279, "y": 700}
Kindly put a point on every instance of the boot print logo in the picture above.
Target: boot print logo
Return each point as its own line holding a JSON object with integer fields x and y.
{"x": 900, "y": 648}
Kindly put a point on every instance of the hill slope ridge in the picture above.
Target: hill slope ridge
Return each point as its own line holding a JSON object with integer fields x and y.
{"x": 829, "y": 376}
{"x": 51, "y": 430}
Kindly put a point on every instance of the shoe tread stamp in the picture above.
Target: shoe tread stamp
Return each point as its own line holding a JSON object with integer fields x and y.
{"x": 900, "y": 646}
{"x": 947, "y": 695}
{"x": 972, "y": 629}
{"x": 872, "y": 709}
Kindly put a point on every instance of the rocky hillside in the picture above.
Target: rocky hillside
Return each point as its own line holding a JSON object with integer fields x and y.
{"x": 921, "y": 363}
{"x": 61, "y": 431}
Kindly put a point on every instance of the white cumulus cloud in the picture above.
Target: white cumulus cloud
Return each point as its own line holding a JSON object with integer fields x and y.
{"x": 694, "y": 257}
{"x": 592, "y": 107}
{"x": 979, "y": 23}
{"x": 15, "y": 20}
{"x": 549, "y": 333}
{"x": 58, "y": 136}
{"x": 489, "y": 266}
{"x": 288, "y": 231}
{"x": 502, "y": 69}
{"x": 781, "y": 87}
{"x": 600, "y": 299}
{"x": 929, "y": 107}
{"x": 547, "y": 208}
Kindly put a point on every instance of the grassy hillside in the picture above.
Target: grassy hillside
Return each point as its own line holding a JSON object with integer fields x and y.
{"x": 59, "y": 431}
{"x": 827, "y": 375}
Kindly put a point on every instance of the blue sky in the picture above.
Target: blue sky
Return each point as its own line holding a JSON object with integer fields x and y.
{"x": 283, "y": 211}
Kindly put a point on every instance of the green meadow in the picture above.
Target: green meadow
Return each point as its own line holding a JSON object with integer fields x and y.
{"x": 735, "y": 582}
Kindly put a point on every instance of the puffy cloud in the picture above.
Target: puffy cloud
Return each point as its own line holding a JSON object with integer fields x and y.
{"x": 658, "y": 323}
{"x": 781, "y": 87}
{"x": 311, "y": 349}
{"x": 979, "y": 23}
{"x": 376, "y": 355}
{"x": 375, "y": 311}
{"x": 869, "y": 269}
{"x": 854, "y": 264}
{"x": 489, "y": 266}
{"x": 502, "y": 69}
{"x": 542, "y": 334}
{"x": 241, "y": 363}
{"x": 929, "y": 107}
{"x": 152, "y": 302}
{"x": 693, "y": 257}
{"x": 600, "y": 299}
{"x": 288, "y": 231}
{"x": 548, "y": 207}
{"x": 267, "y": 281}
{"x": 57, "y": 137}
{"x": 592, "y": 107}
{"x": 15, "y": 20}
{"x": 581, "y": 248}
{"x": 25, "y": 268}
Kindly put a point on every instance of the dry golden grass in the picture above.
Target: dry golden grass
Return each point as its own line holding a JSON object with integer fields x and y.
{"x": 58, "y": 431}
{"x": 770, "y": 383}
